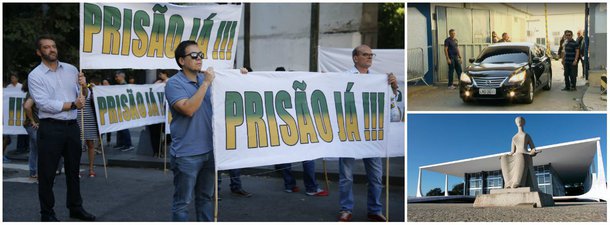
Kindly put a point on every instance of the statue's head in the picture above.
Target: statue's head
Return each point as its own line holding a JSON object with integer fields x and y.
{"x": 520, "y": 121}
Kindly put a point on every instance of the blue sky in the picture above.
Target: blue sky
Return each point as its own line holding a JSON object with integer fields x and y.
{"x": 437, "y": 138}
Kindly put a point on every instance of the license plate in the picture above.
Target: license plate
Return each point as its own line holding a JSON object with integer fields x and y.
{"x": 487, "y": 91}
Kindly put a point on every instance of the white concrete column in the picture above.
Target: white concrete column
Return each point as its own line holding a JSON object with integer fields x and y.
{"x": 601, "y": 175}
{"x": 418, "y": 194}
{"x": 446, "y": 186}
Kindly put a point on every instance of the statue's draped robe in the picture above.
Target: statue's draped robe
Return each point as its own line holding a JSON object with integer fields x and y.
{"x": 518, "y": 169}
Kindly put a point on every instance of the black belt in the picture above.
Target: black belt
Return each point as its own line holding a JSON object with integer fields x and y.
{"x": 63, "y": 122}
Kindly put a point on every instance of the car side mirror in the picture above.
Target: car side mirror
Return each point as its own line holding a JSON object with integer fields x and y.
{"x": 536, "y": 60}
{"x": 471, "y": 60}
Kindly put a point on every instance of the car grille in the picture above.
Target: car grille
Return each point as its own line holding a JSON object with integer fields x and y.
{"x": 489, "y": 82}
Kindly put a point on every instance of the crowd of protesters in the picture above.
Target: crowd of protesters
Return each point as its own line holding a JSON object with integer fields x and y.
{"x": 61, "y": 124}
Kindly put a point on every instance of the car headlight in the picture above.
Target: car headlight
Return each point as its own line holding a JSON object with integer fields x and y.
{"x": 518, "y": 77}
{"x": 465, "y": 78}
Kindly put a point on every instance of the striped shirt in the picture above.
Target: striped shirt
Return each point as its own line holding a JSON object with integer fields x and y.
{"x": 569, "y": 48}
{"x": 89, "y": 119}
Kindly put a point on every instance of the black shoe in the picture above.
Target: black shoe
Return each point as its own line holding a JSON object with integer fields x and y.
{"x": 81, "y": 214}
{"x": 127, "y": 148}
{"x": 50, "y": 218}
{"x": 573, "y": 89}
{"x": 20, "y": 151}
{"x": 566, "y": 89}
{"x": 241, "y": 193}
{"x": 118, "y": 147}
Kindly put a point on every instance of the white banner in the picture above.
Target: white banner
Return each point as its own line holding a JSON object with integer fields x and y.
{"x": 385, "y": 61}
{"x": 13, "y": 114}
{"x": 120, "y": 107}
{"x": 266, "y": 118}
{"x": 145, "y": 35}
{"x": 168, "y": 118}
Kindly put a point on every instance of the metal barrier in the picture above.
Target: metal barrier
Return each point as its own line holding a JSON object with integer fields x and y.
{"x": 415, "y": 66}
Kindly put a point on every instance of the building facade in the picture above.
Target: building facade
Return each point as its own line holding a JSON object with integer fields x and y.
{"x": 484, "y": 181}
{"x": 560, "y": 170}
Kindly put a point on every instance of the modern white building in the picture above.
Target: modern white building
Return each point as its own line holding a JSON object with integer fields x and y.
{"x": 557, "y": 166}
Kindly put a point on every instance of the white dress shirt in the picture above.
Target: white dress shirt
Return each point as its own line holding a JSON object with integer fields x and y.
{"x": 17, "y": 86}
{"x": 51, "y": 89}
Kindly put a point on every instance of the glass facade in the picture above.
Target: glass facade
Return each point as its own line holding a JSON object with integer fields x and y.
{"x": 493, "y": 180}
{"x": 475, "y": 186}
{"x": 545, "y": 175}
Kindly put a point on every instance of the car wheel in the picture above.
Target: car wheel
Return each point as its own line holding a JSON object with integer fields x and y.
{"x": 549, "y": 83}
{"x": 529, "y": 98}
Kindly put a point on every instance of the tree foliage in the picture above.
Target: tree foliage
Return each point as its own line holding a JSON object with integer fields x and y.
{"x": 23, "y": 23}
{"x": 457, "y": 189}
{"x": 435, "y": 192}
{"x": 391, "y": 26}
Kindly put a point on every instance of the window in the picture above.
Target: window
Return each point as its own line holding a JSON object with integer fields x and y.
{"x": 475, "y": 184}
{"x": 493, "y": 180}
{"x": 543, "y": 176}
{"x": 504, "y": 54}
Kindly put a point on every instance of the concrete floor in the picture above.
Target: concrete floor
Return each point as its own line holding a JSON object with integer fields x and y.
{"x": 464, "y": 212}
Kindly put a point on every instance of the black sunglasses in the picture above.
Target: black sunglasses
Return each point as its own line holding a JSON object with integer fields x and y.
{"x": 195, "y": 55}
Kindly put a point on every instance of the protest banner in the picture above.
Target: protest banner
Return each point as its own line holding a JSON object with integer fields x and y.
{"x": 266, "y": 118}
{"x": 145, "y": 35}
{"x": 120, "y": 107}
{"x": 13, "y": 113}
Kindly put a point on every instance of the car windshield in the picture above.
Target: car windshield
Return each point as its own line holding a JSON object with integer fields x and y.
{"x": 504, "y": 54}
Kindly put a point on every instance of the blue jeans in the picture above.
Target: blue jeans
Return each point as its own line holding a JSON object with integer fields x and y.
{"x": 309, "y": 176}
{"x": 374, "y": 173}
{"x": 33, "y": 159}
{"x": 193, "y": 175}
{"x": 235, "y": 180}
{"x": 455, "y": 65}
{"x": 123, "y": 138}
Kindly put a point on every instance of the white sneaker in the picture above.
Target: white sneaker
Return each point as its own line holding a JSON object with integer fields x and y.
{"x": 127, "y": 148}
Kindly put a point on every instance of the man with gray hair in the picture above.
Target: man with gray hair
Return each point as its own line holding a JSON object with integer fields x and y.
{"x": 362, "y": 57}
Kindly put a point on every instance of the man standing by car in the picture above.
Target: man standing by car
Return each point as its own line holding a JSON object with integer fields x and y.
{"x": 454, "y": 59}
{"x": 569, "y": 61}
{"x": 505, "y": 37}
{"x": 581, "y": 46}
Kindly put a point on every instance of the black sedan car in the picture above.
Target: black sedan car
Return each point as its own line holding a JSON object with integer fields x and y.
{"x": 512, "y": 71}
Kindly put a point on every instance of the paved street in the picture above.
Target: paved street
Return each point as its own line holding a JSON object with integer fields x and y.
{"x": 136, "y": 194}
{"x": 464, "y": 212}
{"x": 439, "y": 98}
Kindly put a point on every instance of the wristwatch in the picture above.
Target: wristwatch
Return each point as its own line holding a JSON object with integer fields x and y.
{"x": 73, "y": 106}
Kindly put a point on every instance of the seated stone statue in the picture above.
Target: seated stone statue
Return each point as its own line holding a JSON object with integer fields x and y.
{"x": 517, "y": 166}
